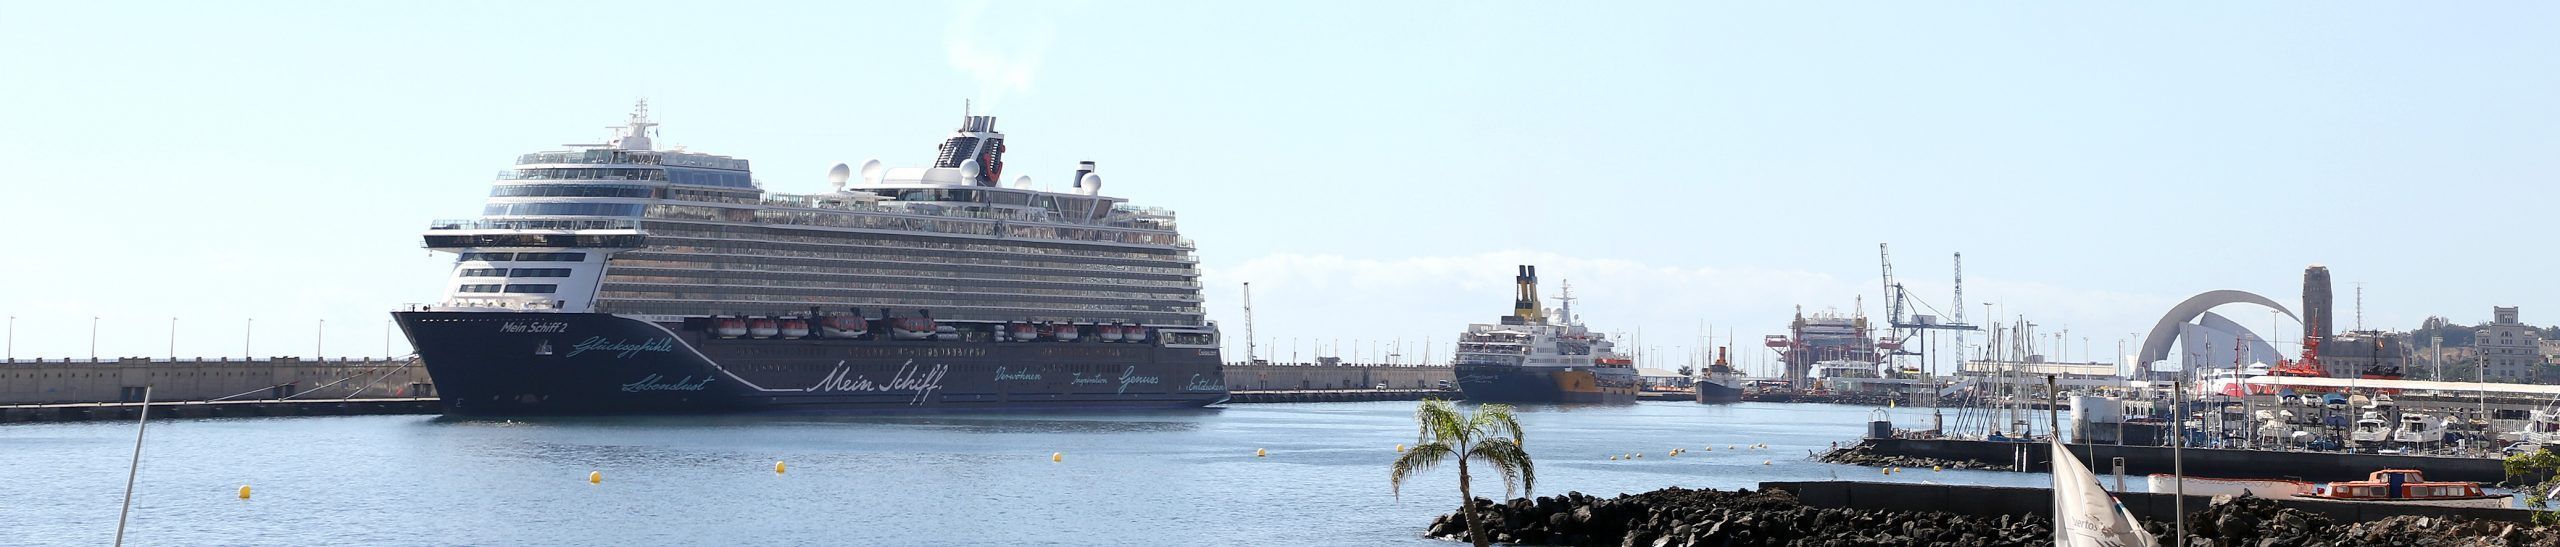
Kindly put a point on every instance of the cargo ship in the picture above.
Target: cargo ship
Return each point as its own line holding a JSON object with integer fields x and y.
{"x": 620, "y": 278}
{"x": 1528, "y": 357}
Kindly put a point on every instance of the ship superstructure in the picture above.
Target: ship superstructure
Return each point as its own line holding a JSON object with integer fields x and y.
{"x": 1533, "y": 358}
{"x": 939, "y": 285}
{"x": 1824, "y": 337}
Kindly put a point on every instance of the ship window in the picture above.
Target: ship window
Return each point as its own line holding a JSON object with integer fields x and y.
{"x": 533, "y": 289}
{"x": 484, "y": 272}
{"x": 569, "y": 190}
{"x": 539, "y": 272}
{"x": 489, "y": 257}
{"x": 551, "y": 257}
{"x": 576, "y": 209}
{"x": 478, "y": 288}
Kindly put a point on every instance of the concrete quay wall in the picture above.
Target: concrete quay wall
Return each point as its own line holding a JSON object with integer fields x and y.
{"x": 1291, "y": 377}
{"x": 2201, "y": 462}
{"x": 25, "y": 381}
{"x": 1993, "y": 501}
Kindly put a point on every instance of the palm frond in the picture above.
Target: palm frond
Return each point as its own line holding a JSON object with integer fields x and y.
{"x": 1498, "y": 420}
{"x": 1440, "y": 422}
{"x": 1414, "y": 461}
{"x": 1510, "y": 461}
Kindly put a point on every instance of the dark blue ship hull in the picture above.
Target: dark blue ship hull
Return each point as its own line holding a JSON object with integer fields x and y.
{"x": 590, "y": 363}
{"x": 1543, "y": 385}
{"x": 1712, "y": 392}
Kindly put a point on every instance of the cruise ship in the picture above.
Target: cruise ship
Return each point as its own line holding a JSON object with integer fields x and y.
{"x": 623, "y": 278}
{"x": 1529, "y": 358}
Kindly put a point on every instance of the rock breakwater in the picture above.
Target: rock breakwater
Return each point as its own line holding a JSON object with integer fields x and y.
{"x": 1679, "y": 517}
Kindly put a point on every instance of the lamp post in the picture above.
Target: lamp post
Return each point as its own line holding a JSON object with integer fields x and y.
{"x": 246, "y": 329}
{"x": 93, "y": 338}
{"x": 173, "y": 339}
{"x": 317, "y": 333}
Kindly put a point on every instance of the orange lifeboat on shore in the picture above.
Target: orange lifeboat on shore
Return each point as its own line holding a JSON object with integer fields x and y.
{"x": 2407, "y": 486}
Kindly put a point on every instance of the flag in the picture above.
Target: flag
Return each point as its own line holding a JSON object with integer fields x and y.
{"x": 2084, "y": 515}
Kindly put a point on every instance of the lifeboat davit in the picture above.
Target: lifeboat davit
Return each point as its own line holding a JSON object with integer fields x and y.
{"x": 1108, "y": 332}
{"x": 728, "y": 327}
{"x": 763, "y": 327}
{"x": 1022, "y": 332}
{"x": 795, "y": 327}
{"x": 1066, "y": 332}
{"x": 844, "y": 326}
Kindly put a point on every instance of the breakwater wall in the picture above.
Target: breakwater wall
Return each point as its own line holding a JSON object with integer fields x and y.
{"x": 2201, "y": 462}
{"x": 79, "y": 412}
{"x": 1312, "y": 376}
{"x": 1994, "y": 501}
{"x": 1339, "y": 395}
{"x": 24, "y": 382}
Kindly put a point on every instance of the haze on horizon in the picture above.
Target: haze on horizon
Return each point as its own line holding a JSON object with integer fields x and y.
{"x": 1375, "y": 170}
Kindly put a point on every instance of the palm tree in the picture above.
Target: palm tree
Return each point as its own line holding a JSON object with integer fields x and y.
{"x": 1489, "y": 435}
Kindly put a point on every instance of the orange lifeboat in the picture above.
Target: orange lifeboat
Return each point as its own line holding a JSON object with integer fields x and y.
{"x": 2406, "y": 486}
{"x": 844, "y": 326}
{"x": 763, "y": 327}
{"x": 1108, "y": 332}
{"x": 795, "y": 327}
{"x": 729, "y": 327}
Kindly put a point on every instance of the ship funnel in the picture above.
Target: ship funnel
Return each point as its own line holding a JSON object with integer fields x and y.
{"x": 1526, "y": 305}
{"x": 1082, "y": 168}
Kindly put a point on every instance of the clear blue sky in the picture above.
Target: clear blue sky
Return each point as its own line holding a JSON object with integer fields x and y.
{"x": 1375, "y": 168}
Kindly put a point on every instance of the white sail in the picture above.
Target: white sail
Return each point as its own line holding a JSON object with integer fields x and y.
{"x": 2084, "y": 515}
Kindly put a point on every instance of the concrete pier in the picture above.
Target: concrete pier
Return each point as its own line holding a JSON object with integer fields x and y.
{"x": 2201, "y": 462}
{"x": 1994, "y": 501}
{"x": 1339, "y": 395}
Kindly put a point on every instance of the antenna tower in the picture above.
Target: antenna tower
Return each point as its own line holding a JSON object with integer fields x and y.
{"x": 1248, "y": 323}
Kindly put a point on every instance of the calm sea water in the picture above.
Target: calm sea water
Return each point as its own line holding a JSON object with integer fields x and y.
{"x": 1169, "y": 478}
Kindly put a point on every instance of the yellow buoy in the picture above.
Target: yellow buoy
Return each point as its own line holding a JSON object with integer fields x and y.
{"x": 1399, "y": 448}
{"x": 1057, "y": 456}
{"x": 1937, "y": 468}
{"x": 1260, "y": 453}
{"x": 1613, "y": 458}
{"x": 777, "y": 466}
{"x": 595, "y": 477}
{"x": 1765, "y": 462}
{"x": 244, "y": 491}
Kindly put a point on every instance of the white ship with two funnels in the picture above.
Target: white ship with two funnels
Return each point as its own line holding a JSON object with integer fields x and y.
{"x": 619, "y": 277}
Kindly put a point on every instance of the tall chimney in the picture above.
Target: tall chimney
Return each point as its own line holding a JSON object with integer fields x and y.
{"x": 1082, "y": 168}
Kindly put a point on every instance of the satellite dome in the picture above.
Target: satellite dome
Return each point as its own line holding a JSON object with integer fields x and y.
{"x": 969, "y": 169}
{"x": 838, "y": 174}
{"x": 1022, "y": 182}
{"x": 871, "y": 172}
{"x": 1092, "y": 184}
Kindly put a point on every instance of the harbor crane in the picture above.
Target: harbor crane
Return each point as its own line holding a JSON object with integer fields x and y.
{"x": 1902, "y": 309}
